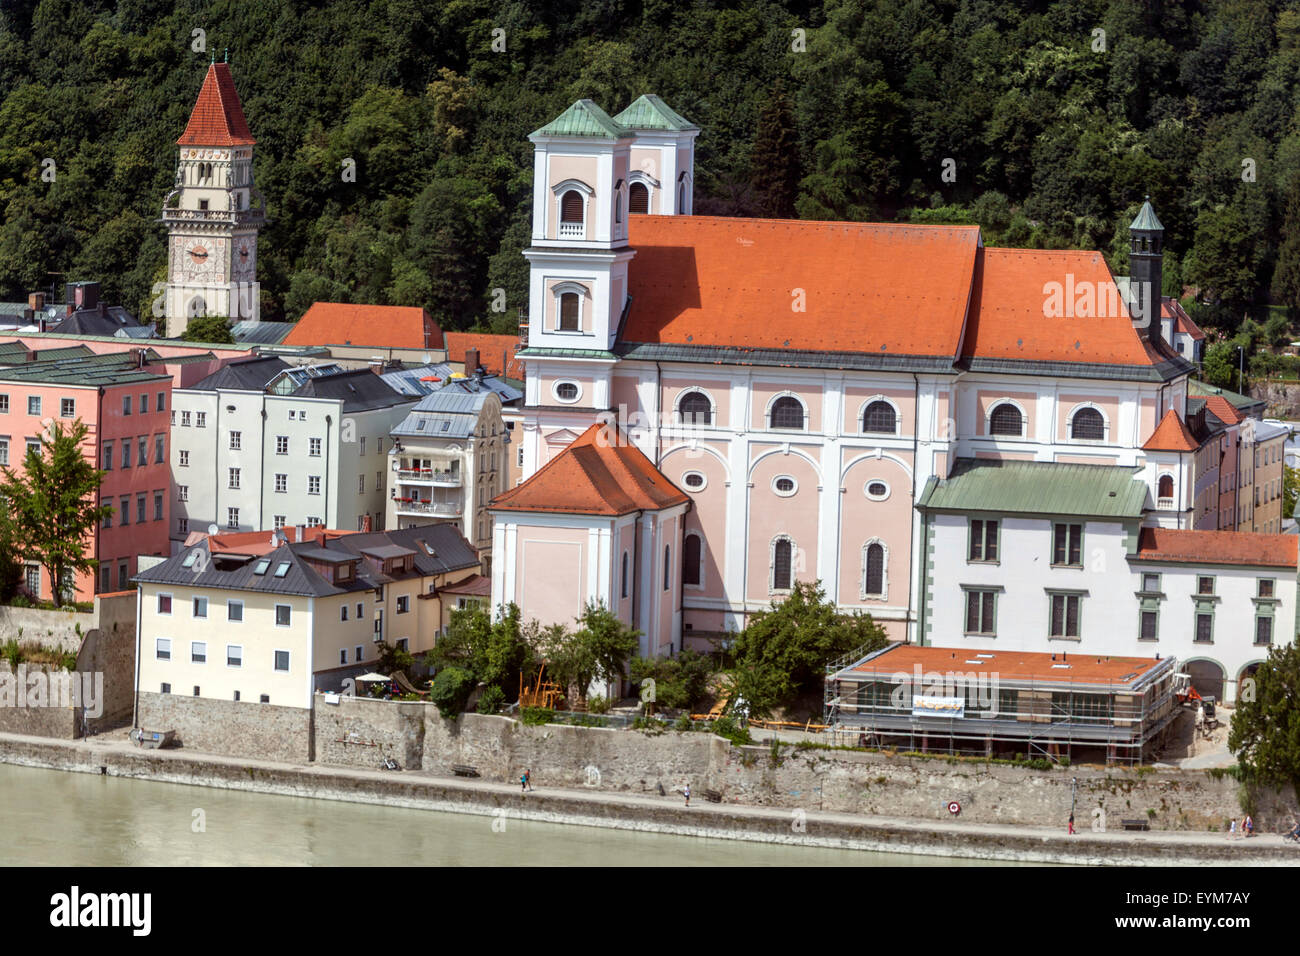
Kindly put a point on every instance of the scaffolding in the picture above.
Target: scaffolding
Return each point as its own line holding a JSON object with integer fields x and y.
{"x": 869, "y": 703}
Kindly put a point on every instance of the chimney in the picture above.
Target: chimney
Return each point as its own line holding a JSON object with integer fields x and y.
{"x": 82, "y": 295}
{"x": 1146, "y": 251}
{"x": 471, "y": 361}
{"x": 36, "y": 301}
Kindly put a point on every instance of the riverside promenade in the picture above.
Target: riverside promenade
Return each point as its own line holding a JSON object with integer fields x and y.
{"x": 114, "y": 755}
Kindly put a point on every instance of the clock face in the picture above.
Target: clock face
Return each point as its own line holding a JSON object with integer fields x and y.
{"x": 198, "y": 255}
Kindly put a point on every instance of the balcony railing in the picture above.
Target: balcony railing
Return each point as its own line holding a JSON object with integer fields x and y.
{"x": 239, "y": 216}
{"x": 573, "y": 230}
{"x": 443, "y": 479}
{"x": 1166, "y": 504}
{"x": 443, "y": 509}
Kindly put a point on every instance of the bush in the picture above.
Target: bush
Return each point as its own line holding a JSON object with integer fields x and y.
{"x": 491, "y": 701}
{"x": 679, "y": 682}
{"x": 684, "y": 723}
{"x": 12, "y": 652}
{"x": 536, "y": 716}
{"x": 729, "y": 728}
{"x": 598, "y": 704}
{"x": 451, "y": 690}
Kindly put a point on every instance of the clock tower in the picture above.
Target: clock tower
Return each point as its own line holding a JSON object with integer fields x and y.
{"x": 214, "y": 212}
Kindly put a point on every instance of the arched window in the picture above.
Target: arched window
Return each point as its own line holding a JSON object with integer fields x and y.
{"x": 692, "y": 555}
{"x": 623, "y": 589}
{"x": 570, "y": 312}
{"x": 639, "y": 199}
{"x": 786, "y": 412}
{"x": 782, "y": 564}
{"x": 1165, "y": 486}
{"x": 681, "y": 198}
{"x": 668, "y": 566}
{"x": 1006, "y": 420}
{"x": 873, "y": 570}
{"x": 1088, "y": 424}
{"x": 695, "y": 409}
{"x": 571, "y": 207}
{"x": 879, "y": 418}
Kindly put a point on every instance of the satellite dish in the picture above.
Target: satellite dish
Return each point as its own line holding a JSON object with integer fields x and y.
{"x": 212, "y": 529}
{"x": 52, "y": 312}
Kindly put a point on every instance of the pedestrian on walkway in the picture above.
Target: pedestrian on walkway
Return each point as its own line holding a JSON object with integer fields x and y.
{"x": 528, "y": 777}
{"x": 523, "y": 781}
{"x": 1071, "y": 829}
{"x": 1232, "y": 830}
{"x": 687, "y": 791}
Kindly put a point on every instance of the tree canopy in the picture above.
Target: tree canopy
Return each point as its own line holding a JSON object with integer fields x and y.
{"x": 1265, "y": 733}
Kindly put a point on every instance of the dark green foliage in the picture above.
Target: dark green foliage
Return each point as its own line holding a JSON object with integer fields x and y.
{"x": 1290, "y": 489}
{"x": 597, "y": 651}
{"x": 491, "y": 700}
{"x": 785, "y": 649}
{"x": 536, "y": 716}
{"x": 393, "y": 658}
{"x": 679, "y": 682}
{"x": 732, "y": 730}
{"x": 495, "y": 652}
{"x": 451, "y": 690}
{"x": 1265, "y": 733}
{"x": 214, "y": 329}
{"x": 50, "y": 508}
{"x": 1052, "y": 142}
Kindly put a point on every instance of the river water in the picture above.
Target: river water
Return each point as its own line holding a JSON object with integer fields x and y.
{"x": 52, "y": 817}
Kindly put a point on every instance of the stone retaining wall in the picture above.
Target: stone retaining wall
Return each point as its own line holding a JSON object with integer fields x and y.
{"x": 237, "y": 728}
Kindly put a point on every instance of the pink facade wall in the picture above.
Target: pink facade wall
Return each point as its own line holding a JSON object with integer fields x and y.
{"x": 1006, "y": 455}
{"x": 889, "y": 521}
{"x": 855, "y": 400}
{"x": 771, "y": 515}
{"x": 551, "y": 573}
{"x": 673, "y": 388}
{"x": 763, "y": 392}
{"x": 1087, "y": 459}
{"x": 668, "y": 599}
{"x": 1067, "y": 405}
{"x": 707, "y": 515}
{"x": 623, "y": 541}
{"x": 986, "y": 399}
{"x": 1146, "y": 418}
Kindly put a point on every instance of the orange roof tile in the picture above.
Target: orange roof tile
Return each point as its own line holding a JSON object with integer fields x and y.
{"x": 1182, "y": 321}
{"x": 1218, "y": 547}
{"x": 1171, "y": 435}
{"x": 600, "y": 473}
{"x": 496, "y": 352}
{"x": 218, "y": 117}
{"x": 865, "y": 287}
{"x": 257, "y": 542}
{"x": 1009, "y": 310}
{"x": 904, "y": 659}
{"x": 377, "y": 326}
{"x": 1223, "y": 409}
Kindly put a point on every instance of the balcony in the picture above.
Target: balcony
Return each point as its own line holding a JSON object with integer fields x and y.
{"x": 437, "y": 509}
{"x": 573, "y": 230}
{"x": 252, "y": 216}
{"x": 430, "y": 476}
{"x": 1166, "y": 504}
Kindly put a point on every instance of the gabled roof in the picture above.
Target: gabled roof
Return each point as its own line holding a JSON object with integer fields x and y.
{"x": 378, "y": 326}
{"x": 260, "y": 333}
{"x": 785, "y": 285}
{"x": 1217, "y": 547}
{"x": 244, "y": 375}
{"x": 1197, "y": 387}
{"x": 649, "y": 112}
{"x": 496, "y": 352}
{"x": 583, "y": 118}
{"x": 1037, "y": 487}
{"x": 359, "y": 390}
{"x": 1223, "y": 410}
{"x": 1172, "y": 308}
{"x": 218, "y": 117}
{"x": 443, "y": 414}
{"x": 1171, "y": 434}
{"x": 600, "y": 473}
{"x": 1010, "y": 311}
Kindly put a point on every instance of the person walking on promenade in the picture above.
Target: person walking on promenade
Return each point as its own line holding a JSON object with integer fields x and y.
{"x": 1071, "y": 828}
{"x": 528, "y": 777}
{"x": 686, "y": 790}
{"x": 523, "y": 781}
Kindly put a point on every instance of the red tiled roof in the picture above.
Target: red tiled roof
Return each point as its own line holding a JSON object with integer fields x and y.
{"x": 257, "y": 542}
{"x": 1171, "y": 435}
{"x": 1009, "y": 665}
{"x": 478, "y": 585}
{"x": 1182, "y": 321}
{"x": 496, "y": 352}
{"x": 376, "y": 326}
{"x": 1223, "y": 409}
{"x": 1218, "y": 547}
{"x": 1008, "y": 317}
{"x": 218, "y": 118}
{"x": 599, "y": 473}
{"x": 866, "y": 287}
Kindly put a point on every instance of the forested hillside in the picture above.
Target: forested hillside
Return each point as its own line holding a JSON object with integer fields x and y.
{"x": 1055, "y": 131}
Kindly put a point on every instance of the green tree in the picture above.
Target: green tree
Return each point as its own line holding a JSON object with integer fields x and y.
{"x": 495, "y": 652}
{"x": 1286, "y": 274}
{"x": 1219, "y": 366}
{"x": 450, "y": 691}
{"x": 51, "y": 505}
{"x": 775, "y": 169}
{"x": 1265, "y": 733}
{"x": 783, "y": 652}
{"x": 1290, "y": 490}
{"x": 214, "y": 329}
{"x": 598, "y": 650}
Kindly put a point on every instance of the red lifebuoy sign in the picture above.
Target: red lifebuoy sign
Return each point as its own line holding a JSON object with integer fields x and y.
{"x": 954, "y": 808}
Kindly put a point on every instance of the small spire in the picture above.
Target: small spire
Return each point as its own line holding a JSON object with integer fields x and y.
{"x": 227, "y": 59}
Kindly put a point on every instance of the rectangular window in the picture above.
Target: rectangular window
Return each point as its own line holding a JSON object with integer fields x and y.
{"x": 126, "y": 404}
{"x": 236, "y": 438}
{"x": 126, "y": 453}
{"x": 1065, "y": 615}
{"x": 140, "y": 509}
{"x": 283, "y": 615}
{"x": 234, "y": 610}
{"x": 4, "y": 404}
{"x": 183, "y": 525}
{"x": 234, "y": 655}
{"x": 1148, "y": 628}
{"x": 162, "y": 401}
{"x": 403, "y": 604}
{"x": 1204, "y": 585}
{"x": 1067, "y": 545}
{"x": 278, "y": 522}
{"x": 200, "y": 607}
{"x": 983, "y": 540}
{"x": 123, "y": 576}
{"x": 1263, "y": 630}
{"x": 1151, "y": 582}
{"x": 164, "y": 604}
{"x": 282, "y": 660}
{"x": 157, "y": 506}
{"x": 281, "y": 483}
{"x": 124, "y": 509}
{"x": 200, "y": 419}
{"x": 1265, "y": 587}
{"x": 67, "y": 408}
{"x": 108, "y": 518}
{"x": 313, "y": 484}
{"x": 361, "y": 610}
{"x": 363, "y": 445}
{"x": 980, "y": 609}
{"x": 343, "y": 612}
{"x": 282, "y": 444}
{"x": 234, "y": 479}
{"x": 198, "y": 652}
{"x": 314, "y": 521}
{"x": 144, "y": 404}
{"x": 108, "y": 456}
{"x": 4, "y": 449}
{"x": 33, "y": 405}
{"x": 403, "y": 644}
{"x": 343, "y": 655}
{"x": 159, "y": 449}
{"x": 163, "y": 648}
{"x": 232, "y": 519}
{"x": 142, "y": 459}
{"x": 313, "y": 447}
{"x": 33, "y": 445}
{"x": 1204, "y": 628}
{"x": 185, "y": 419}
{"x": 182, "y": 492}
{"x": 357, "y": 653}
{"x": 105, "y": 577}
{"x": 361, "y": 484}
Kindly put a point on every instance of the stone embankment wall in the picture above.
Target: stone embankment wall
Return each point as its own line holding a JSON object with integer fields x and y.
{"x": 236, "y": 728}
{"x": 358, "y": 732}
{"x": 36, "y": 718}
